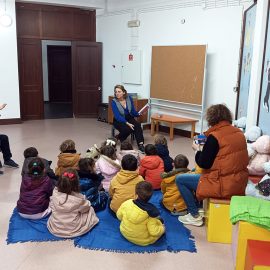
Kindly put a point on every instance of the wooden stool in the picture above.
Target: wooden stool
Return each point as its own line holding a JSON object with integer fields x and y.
{"x": 257, "y": 256}
{"x": 217, "y": 221}
{"x": 171, "y": 120}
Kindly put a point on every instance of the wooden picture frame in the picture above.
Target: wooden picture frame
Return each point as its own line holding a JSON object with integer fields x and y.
{"x": 263, "y": 116}
{"x": 245, "y": 61}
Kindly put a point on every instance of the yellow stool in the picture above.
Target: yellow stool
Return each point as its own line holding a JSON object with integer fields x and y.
{"x": 217, "y": 220}
{"x": 243, "y": 231}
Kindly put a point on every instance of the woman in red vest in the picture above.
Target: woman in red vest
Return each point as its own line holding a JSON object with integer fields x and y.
{"x": 224, "y": 161}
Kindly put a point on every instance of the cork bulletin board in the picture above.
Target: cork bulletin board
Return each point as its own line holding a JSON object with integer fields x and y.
{"x": 177, "y": 73}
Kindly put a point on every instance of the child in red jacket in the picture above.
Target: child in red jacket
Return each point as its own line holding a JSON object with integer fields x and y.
{"x": 152, "y": 166}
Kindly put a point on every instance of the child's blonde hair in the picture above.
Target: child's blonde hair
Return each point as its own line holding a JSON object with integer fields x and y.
{"x": 160, "y": 139}
{"x": 67, "y": 145}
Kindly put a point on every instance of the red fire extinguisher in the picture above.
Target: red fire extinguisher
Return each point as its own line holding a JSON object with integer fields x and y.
{"x": 130, "y": 57}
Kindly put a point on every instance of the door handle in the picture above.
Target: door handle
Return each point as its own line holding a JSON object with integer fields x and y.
{"x": 99, "y": 88}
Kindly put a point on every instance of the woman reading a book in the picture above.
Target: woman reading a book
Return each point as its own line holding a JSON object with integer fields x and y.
{"x": 124, "y": 116}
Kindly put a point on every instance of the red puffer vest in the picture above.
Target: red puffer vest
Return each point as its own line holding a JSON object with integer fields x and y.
{"x": 228, "y": 175}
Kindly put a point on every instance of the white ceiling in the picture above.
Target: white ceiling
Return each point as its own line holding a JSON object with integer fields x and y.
{"x": 109, "y": 5}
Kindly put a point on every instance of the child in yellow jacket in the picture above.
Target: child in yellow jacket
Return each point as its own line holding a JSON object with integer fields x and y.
{"x": 140, "y": 222}
{"x": 172, "y": 198}
{"x": 122, "y": 186}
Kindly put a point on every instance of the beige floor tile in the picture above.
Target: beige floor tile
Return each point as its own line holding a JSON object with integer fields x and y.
{"x": 46, "y": 136}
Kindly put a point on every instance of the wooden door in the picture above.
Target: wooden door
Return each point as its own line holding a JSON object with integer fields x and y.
{"x": 30, "y": 77}
{"x": 86, "y": 78}
{"x": 59, "y": 73}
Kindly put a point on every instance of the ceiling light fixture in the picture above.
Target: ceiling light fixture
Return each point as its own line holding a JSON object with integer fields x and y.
{"x": 5, "y": 19}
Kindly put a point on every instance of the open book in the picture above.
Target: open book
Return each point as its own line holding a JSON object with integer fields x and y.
{"x": 144, "y": 108}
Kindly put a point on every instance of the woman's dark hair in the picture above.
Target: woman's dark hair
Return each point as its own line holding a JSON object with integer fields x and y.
{"x": 217, "y": 113}
{"x": 30, "y": 152}
{"x": 144, "y": 190}
{"x": 86, "y": 164}
{"x": 122, "y": 88}
{"x": 180, "y": 161}
{"x": 36, "y": 168}
{"x": 108, "y": 151}
{"x": 67, "y": 145}
{"x": 126, "y": 145}
{"x": 129, "y": 163}
{"x": 68, "y": 182}
{"x": 150, "y": 150}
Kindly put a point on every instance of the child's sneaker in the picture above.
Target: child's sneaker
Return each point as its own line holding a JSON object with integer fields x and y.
{"x": 11, "y": 164}
{"x": 190, "y": 220}
{"x": 179, "y": 213}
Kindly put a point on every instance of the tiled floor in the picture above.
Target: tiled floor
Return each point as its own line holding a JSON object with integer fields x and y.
{"x": 47, "y": 135}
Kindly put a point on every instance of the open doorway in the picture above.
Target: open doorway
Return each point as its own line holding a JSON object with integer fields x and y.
{"x": 57, "y": 79}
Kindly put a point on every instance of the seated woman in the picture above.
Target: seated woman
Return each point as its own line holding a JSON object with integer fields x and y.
{"x": 124, "y": 113}
{"x": 224, "y": 161}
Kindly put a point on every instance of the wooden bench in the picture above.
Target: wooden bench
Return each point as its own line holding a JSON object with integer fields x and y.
{"x": 171, "y": 120}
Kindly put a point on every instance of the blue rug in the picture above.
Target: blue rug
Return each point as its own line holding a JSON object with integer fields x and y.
{"x": 106, "y": 235}
{"x": 26, "y": 230}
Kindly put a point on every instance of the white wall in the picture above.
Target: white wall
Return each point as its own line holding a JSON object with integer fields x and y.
{"x": 219, "y": 28}
{"x": 9, "y": 84}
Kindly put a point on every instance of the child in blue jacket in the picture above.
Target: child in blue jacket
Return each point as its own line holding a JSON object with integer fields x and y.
{"x": 90, "y": 183}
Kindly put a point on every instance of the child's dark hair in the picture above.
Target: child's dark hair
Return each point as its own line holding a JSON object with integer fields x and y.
{"x": 108, "y": 151}
{"x": 30, "y": 152}
{"x": 36, "y": 168}
{"x": 129, "y": 163}
{"x": 144, "y": 190}
{"x": 160, "y": 139}
{"x": 67, "y": 145}
{"x": 68, "y": 182}
{"x": 150, "y": 150}
{"x": 180, "y": 161}
{"x": 126, "y": 145}
{"x": 86, "y": 164}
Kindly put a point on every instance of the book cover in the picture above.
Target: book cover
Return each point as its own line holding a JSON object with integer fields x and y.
{"x": 144, "y": 108}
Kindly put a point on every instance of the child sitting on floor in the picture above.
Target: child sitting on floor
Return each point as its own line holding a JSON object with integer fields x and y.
{"x": 163, "y": 152}
{"x": 152, "y": 166}
{"x": 172, "y": 198}
{"x": 68, "y": 158}
{"x": 126, "y": 148}
{"x": 108, "y": 165}
{"x": 36, "y": 189}
{"x": 123, "y": 184}
{"x": 140, "y": 222}
{"x": 29, "y": 154}
{"x": 90, "y": 182}
{"x": 72, "y": 214}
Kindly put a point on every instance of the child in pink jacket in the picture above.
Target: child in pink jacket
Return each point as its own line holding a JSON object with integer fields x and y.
{"x": 152, "y": 166}
{"x": 108, "y": 165}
